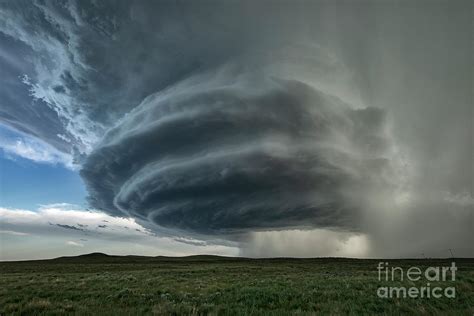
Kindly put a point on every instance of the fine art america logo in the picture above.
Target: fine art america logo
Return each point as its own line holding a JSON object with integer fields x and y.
{"x": 430, "y": 274}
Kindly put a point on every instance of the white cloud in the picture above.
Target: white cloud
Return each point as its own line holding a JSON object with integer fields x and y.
{"x": 16, "y": 144}
{"x": 11, "y": 232}
{"x": 70, "y": 219}
{"x": 73, "y": 243}
{"x": 63, "y": 229}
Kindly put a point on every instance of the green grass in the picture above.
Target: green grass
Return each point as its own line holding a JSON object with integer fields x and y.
{"x": 106, "y": 285}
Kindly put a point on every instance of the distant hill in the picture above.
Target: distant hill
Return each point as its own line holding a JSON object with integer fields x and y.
{"x": 98, "y": 257}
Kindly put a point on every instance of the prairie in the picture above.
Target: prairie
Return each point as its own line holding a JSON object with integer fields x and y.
{"x": 98, "y": 284}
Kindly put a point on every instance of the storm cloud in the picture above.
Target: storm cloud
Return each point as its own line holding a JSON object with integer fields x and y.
{"x": 239, "y": 152}
{"x": 228, "y": 119}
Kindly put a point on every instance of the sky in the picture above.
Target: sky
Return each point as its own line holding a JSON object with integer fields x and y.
{"x": 327, "y": 128}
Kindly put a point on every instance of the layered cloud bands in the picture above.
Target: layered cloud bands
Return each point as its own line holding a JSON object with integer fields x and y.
{"x": 237, "y": 153}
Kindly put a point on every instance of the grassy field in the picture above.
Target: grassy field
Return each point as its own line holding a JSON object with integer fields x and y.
{"x": 107, "y": 285}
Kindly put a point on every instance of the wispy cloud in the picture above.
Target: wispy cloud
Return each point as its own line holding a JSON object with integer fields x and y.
{"x": 14, "y": 233}
{"x": 73, "y": 243}
{"x": 18, "y": 145}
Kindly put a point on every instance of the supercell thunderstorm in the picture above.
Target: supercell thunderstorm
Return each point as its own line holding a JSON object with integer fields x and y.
{"x": 239, "y": 154}
{"x": 206, "y": 119}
